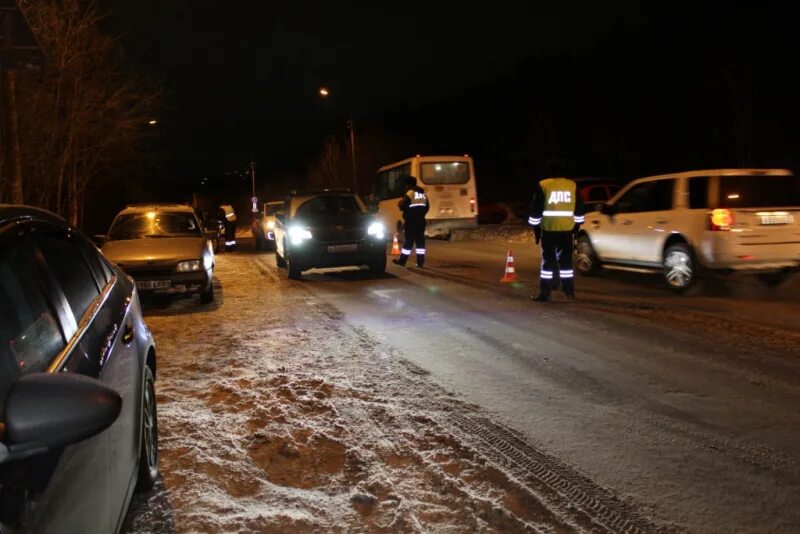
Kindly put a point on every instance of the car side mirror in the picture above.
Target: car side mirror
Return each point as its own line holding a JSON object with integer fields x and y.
{"x": 46, "y": 411}
{"x": 100, "y": 239}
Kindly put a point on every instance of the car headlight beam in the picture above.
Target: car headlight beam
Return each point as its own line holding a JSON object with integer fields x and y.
{"x": 188, "y": 266}
{"x": 298, "y": 234}
{"x": 377, "y": 230}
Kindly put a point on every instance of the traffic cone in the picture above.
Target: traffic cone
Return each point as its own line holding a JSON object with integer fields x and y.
{"x": 511, "y": 273}
{"x": 395, "y": 246}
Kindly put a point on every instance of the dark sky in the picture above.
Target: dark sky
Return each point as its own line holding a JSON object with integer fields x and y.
{"x": 241, "y": 78}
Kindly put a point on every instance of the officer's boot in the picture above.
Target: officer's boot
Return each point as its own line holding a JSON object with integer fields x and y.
{"x": 569, "y": 287}
{"x": 421, "y": 261}
{"x": 544, "y": 292}
{"x": 401, "y": 261}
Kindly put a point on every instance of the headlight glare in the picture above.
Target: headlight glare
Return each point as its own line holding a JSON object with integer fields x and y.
{"x": 377, "y": 230}
{"x": 188, "y": 266}
{"x": 298, "y": 234}
{"x": 270, "y": 225}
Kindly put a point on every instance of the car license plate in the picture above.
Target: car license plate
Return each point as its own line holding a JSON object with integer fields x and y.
{"x": 776, "y": 218}
{"x": 153, "y": 284}
{"x": 342, "y": 248}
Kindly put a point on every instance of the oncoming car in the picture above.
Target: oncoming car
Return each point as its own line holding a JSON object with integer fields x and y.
{"x": 730, "y": 220}
{"x": 78, "y": 422}
{"x": 328, "y": 229}
{"x": 263, "y": 228}
{"x": 164, "y": 248}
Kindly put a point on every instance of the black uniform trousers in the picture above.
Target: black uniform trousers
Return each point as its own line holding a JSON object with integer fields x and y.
{"x": 414, "y": 235}
{"x": 557, "y": 261}
{"x": 230, "y": 235}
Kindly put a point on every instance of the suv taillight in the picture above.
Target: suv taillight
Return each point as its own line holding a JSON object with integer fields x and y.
{"x": 721, "y": 220}
{"x": 472, "y": 205}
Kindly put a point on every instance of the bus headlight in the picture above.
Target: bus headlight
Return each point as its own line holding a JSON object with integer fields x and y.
{"x": 298, "y": 234}
{"x": 377, "y": 230}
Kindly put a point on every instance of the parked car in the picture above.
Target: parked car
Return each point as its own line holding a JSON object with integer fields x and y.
{"x": 164, "y": 248}
{"x": 263, "y": 227}
{"x": 328, "y": 229}
{"x": 741, "y": 220}
{"x": 78, "y": 424}
{"x": 593, "y": 193}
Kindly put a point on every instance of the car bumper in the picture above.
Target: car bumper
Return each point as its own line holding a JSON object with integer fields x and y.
{"x": 319, "y": 255}
{"x": 435, "y": 226}
{"x": 171, "y": 283}
{"x": 720, "y": 250}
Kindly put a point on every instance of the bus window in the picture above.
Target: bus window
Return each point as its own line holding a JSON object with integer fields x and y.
{"x": 451, "y": 172}
{"x": 391, "y": 182}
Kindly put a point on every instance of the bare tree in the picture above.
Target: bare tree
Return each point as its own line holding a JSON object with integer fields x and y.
{"x": 327, "y": 171}
{"x": 85, "y": 116}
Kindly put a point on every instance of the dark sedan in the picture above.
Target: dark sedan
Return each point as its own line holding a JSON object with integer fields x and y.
{"x": 328, "y": 229}
{"x": 78, "y": 427}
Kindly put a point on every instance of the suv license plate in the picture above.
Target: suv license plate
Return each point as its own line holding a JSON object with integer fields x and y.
{"x": 777, "y": 219}
{"x": 153, "y": 284}
{"x": 342, "y": 248}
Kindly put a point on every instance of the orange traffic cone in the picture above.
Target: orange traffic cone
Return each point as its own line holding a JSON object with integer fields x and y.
{"x": 395, "y": 246}
{"x": 511, "y": 273}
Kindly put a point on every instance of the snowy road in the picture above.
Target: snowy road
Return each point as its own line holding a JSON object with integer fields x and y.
{"x": 441, "y": 401}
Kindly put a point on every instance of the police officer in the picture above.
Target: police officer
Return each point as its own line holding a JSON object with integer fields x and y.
{"x": 556, "y": 216}
{"x": 414, "y": 206}
{"x": 228, "y": 219}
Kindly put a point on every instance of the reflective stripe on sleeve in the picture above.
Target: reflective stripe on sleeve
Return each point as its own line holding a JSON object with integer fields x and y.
{"x": 534, "y": 221}
{"x": 580, "y": 219}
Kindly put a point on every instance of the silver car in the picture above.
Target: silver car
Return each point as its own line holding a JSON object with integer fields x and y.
{"x": 164, "y": 248}
{"x": 78, "y": 425}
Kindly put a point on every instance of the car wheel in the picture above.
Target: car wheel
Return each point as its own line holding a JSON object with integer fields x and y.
{"x": 772, "y": 279}
{"x": 148, "y": 449}
{"x": 280, "y": 261}
{"x": 679, "y": 271}
{"x": 207, "y": 296}
{"x": 586, "y": 261}
{"x": 295, "y": 273}
{"x": 378, "y": 268}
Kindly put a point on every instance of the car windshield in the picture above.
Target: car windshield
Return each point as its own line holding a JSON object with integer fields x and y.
{"x": 759, "y": 191}
{"x": 326, "y": 206}
{"x": 154, "y": 224}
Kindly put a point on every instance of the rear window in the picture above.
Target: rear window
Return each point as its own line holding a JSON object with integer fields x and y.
{"x": 759, "y": 191}
{"x": 446, "y": 172}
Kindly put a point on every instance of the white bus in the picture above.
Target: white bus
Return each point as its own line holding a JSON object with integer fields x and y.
{"x": 449, "y": 182}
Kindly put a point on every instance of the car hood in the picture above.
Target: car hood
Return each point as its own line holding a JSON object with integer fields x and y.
{"x": 154, "y": 250}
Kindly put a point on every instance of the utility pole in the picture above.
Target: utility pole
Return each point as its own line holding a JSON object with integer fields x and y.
{"x": 351, "y": 124}
{"x": 253, "y": 176}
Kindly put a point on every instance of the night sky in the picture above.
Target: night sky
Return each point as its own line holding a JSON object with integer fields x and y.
{"x": 241, "y": 77}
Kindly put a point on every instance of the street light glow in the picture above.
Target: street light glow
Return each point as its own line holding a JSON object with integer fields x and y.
{"x": 323, "y": 91}
{"x": 152, "y": 122}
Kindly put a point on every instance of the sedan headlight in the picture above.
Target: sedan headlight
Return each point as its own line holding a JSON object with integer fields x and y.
{"x": 298, "y": 234}
{"x": 188, "y": 266}
{"x": 377, "y": 230}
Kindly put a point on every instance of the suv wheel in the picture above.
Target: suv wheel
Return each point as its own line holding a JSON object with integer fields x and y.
{"x": 280, "y": 261}
{"x": 295, "y": 273}
{"x": 148, "y": 449}
{"x": 378, "y": 268}
{"x": 586, "y": 261}
{"x": 679, "y": 269}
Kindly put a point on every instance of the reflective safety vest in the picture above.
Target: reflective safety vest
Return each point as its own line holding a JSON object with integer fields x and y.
{"x": 560, "y": 197}
{"x": 417, "y": 199}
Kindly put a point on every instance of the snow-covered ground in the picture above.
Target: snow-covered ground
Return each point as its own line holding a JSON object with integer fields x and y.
{"x": 277, "y": 415}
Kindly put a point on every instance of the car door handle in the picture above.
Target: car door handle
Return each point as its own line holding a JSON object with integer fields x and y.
{"x": 626, "y": 222}
{"x": 127, "y": 335}
{"x": 661, "y": 221}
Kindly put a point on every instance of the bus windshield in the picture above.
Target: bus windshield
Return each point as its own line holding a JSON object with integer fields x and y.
{"x": 445, "y": 173}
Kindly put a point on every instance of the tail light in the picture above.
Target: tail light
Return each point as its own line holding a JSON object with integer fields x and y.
{"x": 472, "y": 205}
{"x": 721, "y": 219}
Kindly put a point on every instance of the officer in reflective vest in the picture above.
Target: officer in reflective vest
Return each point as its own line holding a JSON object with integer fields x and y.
{"x": 414, "y": 206}
{"x": 556, "y": 216}
{"x": 228, "y": 218}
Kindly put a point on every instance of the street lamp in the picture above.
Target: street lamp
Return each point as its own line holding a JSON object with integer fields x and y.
{"x": 324, "y": 93}
{"x": 152, "y": 122}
